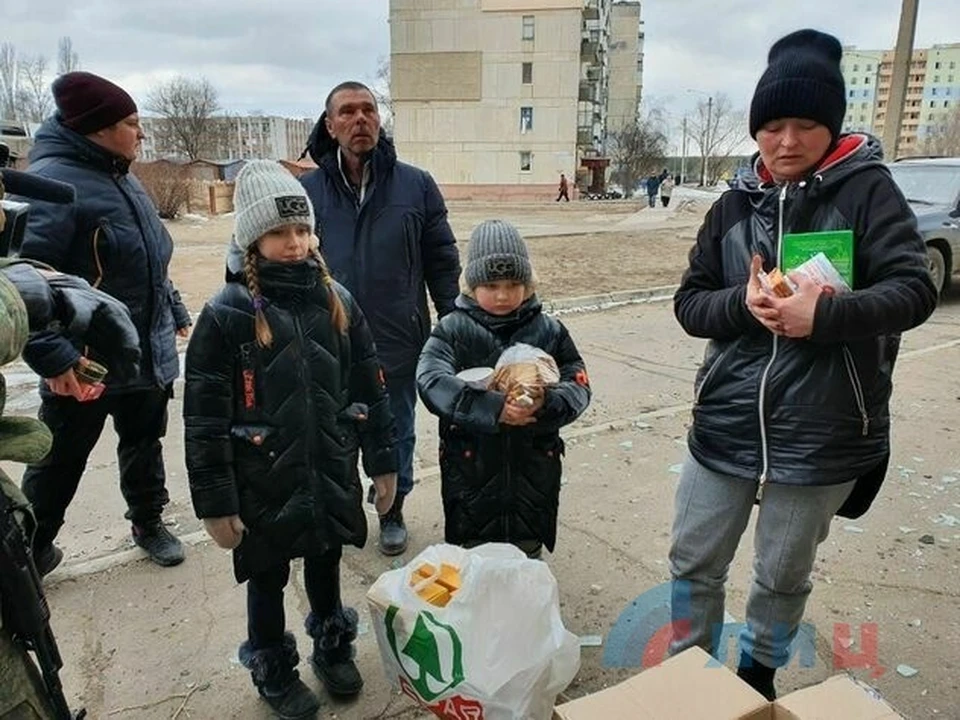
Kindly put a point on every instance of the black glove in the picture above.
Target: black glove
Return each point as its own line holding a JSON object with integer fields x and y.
{"x": 83, "y": 313}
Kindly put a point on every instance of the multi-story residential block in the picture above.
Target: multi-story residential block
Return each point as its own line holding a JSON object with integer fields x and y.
{"x": 626, "y": 66}
{"x": 497, "y": 97}
{"x": 233, "y": 138}
{"x": 932, "y": 96}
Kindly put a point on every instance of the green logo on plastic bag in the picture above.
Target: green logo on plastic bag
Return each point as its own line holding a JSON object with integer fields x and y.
{"x": 431, "y": 656}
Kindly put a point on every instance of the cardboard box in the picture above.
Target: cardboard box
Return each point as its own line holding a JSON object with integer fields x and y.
{"x": 692, "y": 687}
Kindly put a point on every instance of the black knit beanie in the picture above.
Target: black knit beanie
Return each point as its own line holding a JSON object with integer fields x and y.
{"x": 802, "y": 80}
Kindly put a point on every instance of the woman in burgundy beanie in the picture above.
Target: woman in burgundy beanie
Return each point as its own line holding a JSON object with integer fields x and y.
{"x": 88, "y": 103}
{"x": 112, "y": 237}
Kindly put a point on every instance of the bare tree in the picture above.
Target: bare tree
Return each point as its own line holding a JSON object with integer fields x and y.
{"x": 944, "y": 139}
{"x": 636, "y": 150}
{"x": 717, "y": 129}
{"x": 187, "y": 106}
{"x": 167, "y": 184}
{"x": 381, "y": 93}
{"x": 9, "y": 82}
{"x": 67, "y": 58}
{"x": 36, "y": 103}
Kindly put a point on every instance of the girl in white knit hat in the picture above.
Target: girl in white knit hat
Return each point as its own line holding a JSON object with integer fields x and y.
{"x": 283, "y": 388}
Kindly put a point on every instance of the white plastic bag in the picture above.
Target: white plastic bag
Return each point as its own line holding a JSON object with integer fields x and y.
{"x": 497, "y": 651}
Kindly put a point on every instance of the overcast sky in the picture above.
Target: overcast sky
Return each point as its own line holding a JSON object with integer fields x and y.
{"x": 283, "y": 56}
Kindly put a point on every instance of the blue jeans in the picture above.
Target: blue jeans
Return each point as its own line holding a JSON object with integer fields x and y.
{"x": 403, "y": 404}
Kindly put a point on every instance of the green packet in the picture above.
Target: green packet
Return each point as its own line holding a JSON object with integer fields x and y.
{"x": 836, "y": 245}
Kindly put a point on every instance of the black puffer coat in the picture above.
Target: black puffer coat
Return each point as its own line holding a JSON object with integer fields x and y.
{"x": 500, "y": 483}
{"x": 804, "y": 411}
{"x": 280, "y": 448}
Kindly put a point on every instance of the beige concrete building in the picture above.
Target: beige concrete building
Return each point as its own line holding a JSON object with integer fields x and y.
{"x": 626, "y": 66}
{"x": 933, "y": 92}
{"x": 234, "y": 138}
{"x": 497, "y": 97}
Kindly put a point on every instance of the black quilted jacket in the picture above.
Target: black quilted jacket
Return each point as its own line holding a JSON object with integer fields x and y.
{"x": 272, "y": 434}
{"x": 499, "y": 483}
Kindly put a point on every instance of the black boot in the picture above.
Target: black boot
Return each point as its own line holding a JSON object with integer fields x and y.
{"x": 274, "y": 673}
{"x": 758, "y": 676}
{"x": 393, "y": 531}
{"x": 333, "y": 652}
{"x": 161, "y": 545}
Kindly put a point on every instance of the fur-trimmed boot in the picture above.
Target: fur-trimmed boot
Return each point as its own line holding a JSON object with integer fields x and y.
{"x": 333, "y": 651}
{"x": 274, "y": 672}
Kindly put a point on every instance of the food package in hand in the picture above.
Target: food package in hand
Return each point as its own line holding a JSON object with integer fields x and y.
{"x": 823, "y": 273}
{"x": 818, "y": 268}
{"x": 776, "y": 283}
{"x": 522, "y": 373}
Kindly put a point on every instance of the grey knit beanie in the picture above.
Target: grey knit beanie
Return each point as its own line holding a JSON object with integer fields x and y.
{"x": 496, "y": 252}
{"x": 266, "y": 197}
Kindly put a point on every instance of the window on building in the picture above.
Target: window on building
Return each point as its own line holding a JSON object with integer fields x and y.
{"x": 856, "y": 68}
{"x": 953, "y": 65}
{"x": 933, "y": 103}
{"x": 851, "y": 93}
{"x": 933, "y": 91}
{"x": 866, "y": 93}
{"x": 869, "y": 68}
{"x": 930, "y": 116}
{"x": 936, "y": 66}
{"x": 950, "y": 79}
{"x": 528, "y": 27}
{"x": 936, "y": 78}
{"x": 853, "y": 81}
{"x": 526, "y": 161}
{"x": 527, "y": 72}
{"x": 526, "y": 119}
{"x": 863, "y": 118}
{"x": 866, "y": 81}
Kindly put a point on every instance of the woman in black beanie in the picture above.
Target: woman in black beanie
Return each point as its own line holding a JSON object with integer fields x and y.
{"x": 791, "y": 403}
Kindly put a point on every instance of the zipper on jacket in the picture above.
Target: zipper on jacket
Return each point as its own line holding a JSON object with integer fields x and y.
{"x": 509, "y": 485}
{"x": 857, "y": 388}
{"x": 762, "y": 481}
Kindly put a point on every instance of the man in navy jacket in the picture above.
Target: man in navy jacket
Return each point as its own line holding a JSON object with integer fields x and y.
{"x": 112, "y": 237}
{"x": 383, "y": 231}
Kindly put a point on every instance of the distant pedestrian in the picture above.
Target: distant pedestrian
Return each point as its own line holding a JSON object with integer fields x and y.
{"x": 666, "y": 190}
{"x": 564, "y": 187}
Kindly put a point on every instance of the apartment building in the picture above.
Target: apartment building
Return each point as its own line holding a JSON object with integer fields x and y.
{"x": 933, "y": 92}
{"x": 626, "y": 66}
{"x": 234, "y": 138}
{"x": 497, "y": 97}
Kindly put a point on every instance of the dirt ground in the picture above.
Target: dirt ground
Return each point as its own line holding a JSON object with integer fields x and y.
{"x": 148, "y": 643}
{"x": 577, "y": 249}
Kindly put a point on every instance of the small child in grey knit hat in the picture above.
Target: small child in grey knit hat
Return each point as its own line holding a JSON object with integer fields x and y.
{"x": 500, "y": 461}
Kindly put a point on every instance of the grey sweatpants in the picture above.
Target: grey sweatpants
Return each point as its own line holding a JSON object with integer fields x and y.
{"x": 712, "y": 511}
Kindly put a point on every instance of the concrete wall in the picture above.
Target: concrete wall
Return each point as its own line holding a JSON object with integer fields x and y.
{"x": 624, "y": 93}
{"x": 464, "y": 126}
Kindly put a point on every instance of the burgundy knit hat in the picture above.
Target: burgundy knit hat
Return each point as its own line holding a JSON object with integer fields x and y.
{"x": 88, "y": 102}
